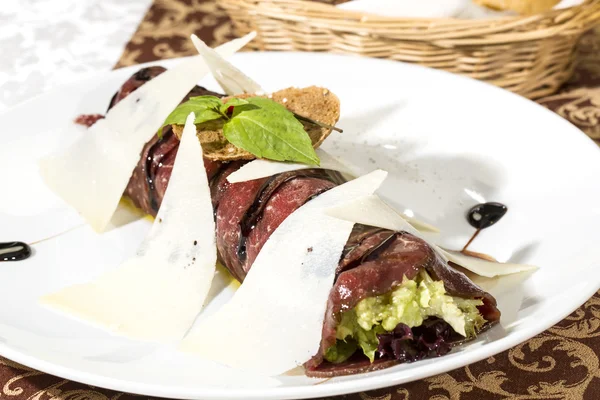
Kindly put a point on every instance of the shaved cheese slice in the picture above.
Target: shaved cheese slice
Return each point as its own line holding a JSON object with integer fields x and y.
{"x": 157, "y": 294}
{"x": 371, "y": 210}
{"x": 421, "y": 226}
{"x": 273, "y": 323}
{"x": 488, "y": 269}
{"x": 232, "y": 80}
{"x": 93, "y": 173}
{"x": 262, "y": 168}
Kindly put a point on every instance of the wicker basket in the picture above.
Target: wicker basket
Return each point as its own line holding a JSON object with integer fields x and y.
{"x": 529, "y": 55}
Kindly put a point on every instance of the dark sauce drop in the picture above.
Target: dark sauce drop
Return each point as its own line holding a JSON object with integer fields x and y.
{"x": 485, "y": 215}
{"x": 480, "y": 217}
{"x": 14, "y": 251}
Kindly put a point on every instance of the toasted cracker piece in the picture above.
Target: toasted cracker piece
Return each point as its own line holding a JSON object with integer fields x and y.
{"x": 525, "y": 7}
{"x": 313, "y": 102}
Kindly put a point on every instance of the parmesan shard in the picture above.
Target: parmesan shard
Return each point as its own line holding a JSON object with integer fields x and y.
{"x": 232, "y": 80}
{"x": 92, "y": 174}
{"x": 262, "y": 168}
{"x": 274, "y": 321}
{"x": 371, "y": 210}
{"x": 421, "y": 226}
{"x": 157, "y": 294}
{"x": 485, "y": 268}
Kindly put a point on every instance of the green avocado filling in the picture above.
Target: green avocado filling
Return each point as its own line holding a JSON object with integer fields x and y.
{"x": 410, "y": 303}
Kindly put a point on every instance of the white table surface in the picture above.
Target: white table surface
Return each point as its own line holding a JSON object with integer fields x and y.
{"x": 45, "y": 43}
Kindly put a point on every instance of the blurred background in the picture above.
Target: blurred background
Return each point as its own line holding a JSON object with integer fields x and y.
{"x": 527, "y": 46}
{"x": 49, "y": 42}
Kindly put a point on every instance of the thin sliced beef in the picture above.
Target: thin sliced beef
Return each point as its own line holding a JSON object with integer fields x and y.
{"x": 149, "y": 180}
{"x": 354, "y": 365}
{"x": 146, "y": 74}
{"x": 250, "y": 211}
{"x": 377, "y": 269}
{"x": 374, "y": 260}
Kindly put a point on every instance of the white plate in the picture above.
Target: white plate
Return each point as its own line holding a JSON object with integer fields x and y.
{"x": 448, "y": 143}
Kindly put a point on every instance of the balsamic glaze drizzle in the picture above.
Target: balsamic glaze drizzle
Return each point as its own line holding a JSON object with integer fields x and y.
{"x": 350, "y": 247}
{"x": 166, "y": 133}
{"x": 485, "y": 215}
{"x": 482, "y": 216}
{"x": 14, "y": 251}
{"x": 143, "y": 75}
{"x": 216, "y": 189}
{"x": 375, "y": 251}
{"x": 254, "y": 213}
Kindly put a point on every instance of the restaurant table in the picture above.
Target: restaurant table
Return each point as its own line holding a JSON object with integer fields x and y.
{"x": 561, "y": 363}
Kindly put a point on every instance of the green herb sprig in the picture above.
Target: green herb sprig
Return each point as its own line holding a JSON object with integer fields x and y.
{"x": 258, "y": 125}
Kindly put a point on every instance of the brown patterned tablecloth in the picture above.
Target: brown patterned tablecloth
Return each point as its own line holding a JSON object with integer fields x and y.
{"x": 561, "y": 363}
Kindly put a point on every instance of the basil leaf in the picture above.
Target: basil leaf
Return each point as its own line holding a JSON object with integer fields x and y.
{"x": 271, "y": 132}
{"x": 269, "y": 104}
{"x": 179, "y": 115}
{"x": 232, "y": 102}
{"x": 234, "y": 106}
{"x": 206, "y": 101}
{"x": 206, "y": 108}
{"x": 241, "y": 108}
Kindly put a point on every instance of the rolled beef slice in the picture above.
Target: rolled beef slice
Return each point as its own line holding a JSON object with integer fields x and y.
{"x": 374, "y": 260}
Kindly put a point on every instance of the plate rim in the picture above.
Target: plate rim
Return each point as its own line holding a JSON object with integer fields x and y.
{"x": 365, "y": 382}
